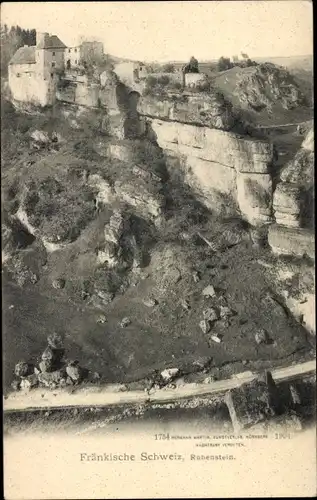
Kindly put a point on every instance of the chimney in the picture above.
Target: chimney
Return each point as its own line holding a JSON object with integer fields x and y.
{"x": 41, "y": 39}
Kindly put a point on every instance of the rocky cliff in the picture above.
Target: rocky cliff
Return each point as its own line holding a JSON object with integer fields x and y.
{"x": 229, "y": 172}
{"x": 294, "y": 195}
{"x": 266, "y": 85}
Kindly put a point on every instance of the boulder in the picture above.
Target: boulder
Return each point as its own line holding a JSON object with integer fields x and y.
{"x": 291, "y": 241}
{"x": 29, "y": 382}
{"x": 125, "y": 322}
{"x": 226, "y": 312}
{"x": 169, "y": 374}
{"x": 16, "y": 385}
{"x": 149, "y": 302}
{"x": 74, "y": 371}
{"x": 51, "y": 379}
{"x": 261, "y": 337}
{"x": 58, "y": 283}
{"x": 40, "y": 136}
{"x": 46, "y": 366}
{"x": 209, "y": 291}
{"x": 204, "y": 326}
{"x": 48, "y": 354}
{"x": 210, "y": 314}
{"x": 23, "y": 369}
{"x": 101, "y": 319}
{"x": 215, "y": 338}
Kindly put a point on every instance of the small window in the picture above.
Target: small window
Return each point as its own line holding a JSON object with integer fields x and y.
{"x": 76, "y": 61}
{"x": 75, "y": 50}
{"x": 52, "y": 75}
{"x": 18, "y": 75}
{"x": 68, "y": 51}
{"x": 53, "y": 53}
{"x": 53, "y": 65}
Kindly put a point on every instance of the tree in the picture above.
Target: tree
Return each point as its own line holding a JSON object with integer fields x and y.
{"x": 193, "y": 65}
{"x": 224, "y": 63}
{"x": 168, "y": 68}
{"x": 11, "y": 40}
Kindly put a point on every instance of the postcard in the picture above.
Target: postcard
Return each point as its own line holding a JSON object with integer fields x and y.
{"x": 158, "y": 257}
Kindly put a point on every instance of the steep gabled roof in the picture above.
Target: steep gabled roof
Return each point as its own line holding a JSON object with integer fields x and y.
{"x": 51, "y": 42}
{"x": 24, "y": 55}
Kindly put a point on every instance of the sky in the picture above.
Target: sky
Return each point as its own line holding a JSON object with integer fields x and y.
{"x": 162, "y": 31}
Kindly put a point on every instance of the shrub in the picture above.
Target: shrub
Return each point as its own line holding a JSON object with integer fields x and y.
{"x": 168, "y": 68}
{"x": 163, "y": 80}
{"x": 224, "y": 63}
{"x": 176, "y": 85}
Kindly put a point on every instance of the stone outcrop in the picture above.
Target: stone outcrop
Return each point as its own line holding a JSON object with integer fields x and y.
{"x": 291, "y": 241}
{"x": 228, "y": 172}
{"x": 267, "y": 84}
{"x": 210, "y": 110}
{"x": 113, "y": 232}
{"x": 294, "y": 195}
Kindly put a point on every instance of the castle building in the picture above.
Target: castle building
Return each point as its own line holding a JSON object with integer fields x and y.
{"x": 83, "y": 54}
{"x": 34, "y": 70}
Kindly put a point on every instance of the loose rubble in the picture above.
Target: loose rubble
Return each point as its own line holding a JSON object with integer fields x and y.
{"x": 169, "y": 374}
{"x": 210, "y": 314}
{"x": 149, "y": 302}
{"x": 205, "y": 326}
{"x": 261, "y": 337}
{"x": 101, "y": 319}
{"x": 125, "y": 322}
{"x": 209, "y": 291}
{"x": 52, "y": 371}
{"x": 58, "y": 284}
{"x": 215, "y": 338}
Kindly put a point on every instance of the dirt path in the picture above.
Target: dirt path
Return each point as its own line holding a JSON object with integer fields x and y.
{"x": 114, "y": 395}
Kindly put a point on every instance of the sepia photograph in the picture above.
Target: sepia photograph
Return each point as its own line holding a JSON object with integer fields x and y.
{"x": 158, "y": 249}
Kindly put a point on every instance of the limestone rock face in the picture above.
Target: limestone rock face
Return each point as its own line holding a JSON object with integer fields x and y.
{"x": 214, "y": 184}
{"x": 294, "y": 195}
{"x": 227, "y": 172}
{"x": 291, "y": 241}
{"x": 254, "y": 193}
{"x": 300, "y": 170}
{"x": 287, "y": 204}
{"x": 226, "y": 148}
{"x": 308, "y": 142}
{"x": 210, "y": 110}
